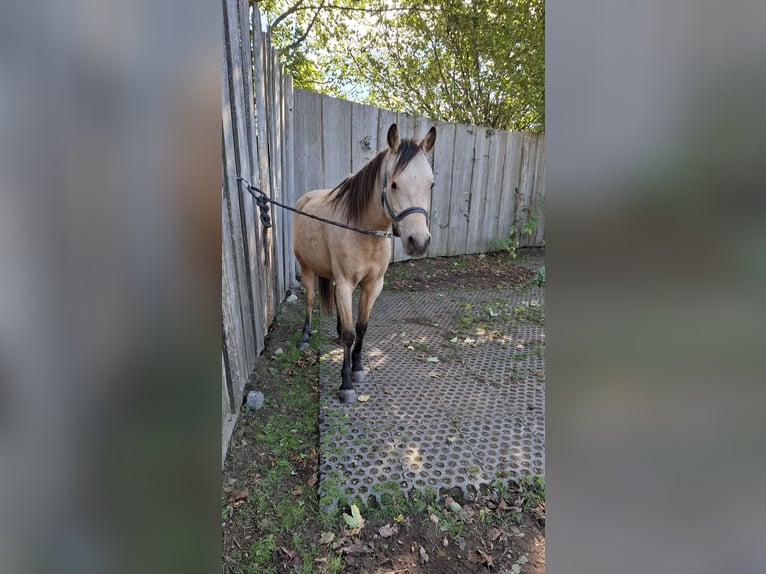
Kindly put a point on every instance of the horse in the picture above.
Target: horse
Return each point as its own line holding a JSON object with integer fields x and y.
{"x": 392, "y": 192}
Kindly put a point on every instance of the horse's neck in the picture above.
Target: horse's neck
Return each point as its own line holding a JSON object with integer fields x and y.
{"x": 375, "y": 216}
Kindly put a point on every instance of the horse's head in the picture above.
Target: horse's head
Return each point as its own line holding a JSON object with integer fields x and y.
{"x": 407, "y": 189}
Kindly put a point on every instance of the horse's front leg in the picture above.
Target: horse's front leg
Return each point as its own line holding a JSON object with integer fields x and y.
{"x": 343, "y": 302}
{"x": 370, "y": 292}
{"x": 307, "y": 278}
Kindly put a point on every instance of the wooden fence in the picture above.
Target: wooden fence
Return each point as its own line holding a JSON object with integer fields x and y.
{"x": 485, "y": 180}
{"x": 288, "y": 141}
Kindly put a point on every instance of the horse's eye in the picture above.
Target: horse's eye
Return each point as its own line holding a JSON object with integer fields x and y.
{"x": 394, "y": 186}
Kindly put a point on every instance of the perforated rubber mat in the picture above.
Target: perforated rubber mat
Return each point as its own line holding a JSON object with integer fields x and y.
{"x": 456, "y": 391}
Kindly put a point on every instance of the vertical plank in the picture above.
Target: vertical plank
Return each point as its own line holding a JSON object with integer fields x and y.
{"x": 233, "y": 325}
{"x": 524, "y": 207}
{"x": 539, "y": 192}
{"x": 336, "y": 147}
{"x": 462, "y": 175}
{"x": 275, "y": 155}
{"x": 313, "y": 142}
{"x": 364, "y": 135}
{"x": 510, "y": 178}
{"x": 289, "y": 193}
{"x": 478, "y": 190}
{"x": 494, "y": 189}
{"x": 235, "y": 149}
{"x": 300, "y": 143}
{"x": 264, "y": 238}
{"x": 440, "y": 197}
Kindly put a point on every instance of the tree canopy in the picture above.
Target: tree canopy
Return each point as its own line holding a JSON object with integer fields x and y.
{"x": 469, "y": 61}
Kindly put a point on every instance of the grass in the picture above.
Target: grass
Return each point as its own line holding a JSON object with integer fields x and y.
{"x": 279, "y": 506}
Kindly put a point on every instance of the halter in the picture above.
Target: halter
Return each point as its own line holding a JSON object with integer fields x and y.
{"x": 397, "y": 217}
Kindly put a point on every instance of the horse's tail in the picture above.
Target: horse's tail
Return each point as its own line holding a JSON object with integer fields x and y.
{"x": 326, "y": 294}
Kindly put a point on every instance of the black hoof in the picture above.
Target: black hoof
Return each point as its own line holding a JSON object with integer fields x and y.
{"x": 357, "y": 376}
{"x": 302, "y": 346}
{"x": 347, "y": 396}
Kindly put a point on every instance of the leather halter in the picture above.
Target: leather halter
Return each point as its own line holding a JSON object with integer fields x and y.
{"x": 397, "y": 217}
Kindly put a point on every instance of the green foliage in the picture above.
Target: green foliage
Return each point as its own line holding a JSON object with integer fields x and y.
{"x": 260, "y": 551}
{"x": 476, "y": 61}
{"x": 509, "y": 245}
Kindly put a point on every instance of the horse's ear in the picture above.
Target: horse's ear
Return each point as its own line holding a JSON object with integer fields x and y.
{"x": 393, "y": 137}
{"x": 429, "y": 141}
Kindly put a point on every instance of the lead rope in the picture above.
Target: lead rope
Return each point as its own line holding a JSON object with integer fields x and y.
{"x": 262, "y": 200}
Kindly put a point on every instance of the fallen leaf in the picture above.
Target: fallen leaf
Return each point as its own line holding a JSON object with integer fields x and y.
{"x": 356, "y": 548}
{"x": 466, "y": 514}
{"x": 423, "y": 555}
{"x": 432, "y": 359}
{"x": 481, "y": 557}
{"x": 297, "y": 491}
{"x": 399, "y": 518}
{"x": 363, "y": 398}
{"x": 519, "y": 346}
{"x": 387, "y": 530}
{"x": 312, "y": 480}
{"x": 451, "y": 439}
{"x": 468, "y": 340}
{"x": 355, "y": 520}
{"x": 453, "y": 340}
{"x": 289, "y": 553}
{"x": 453, "y": 506}
{"x": 522, "y": 559}
{"x": 410, "y": 348}
{"x": 495, "y": 533}
{"x": 326, "y": 538}
{"x": 240, "y": 494}
{"x": 433, "y": 375}
{"x": 445, "y": 542}
{"x": 434, "y": 518}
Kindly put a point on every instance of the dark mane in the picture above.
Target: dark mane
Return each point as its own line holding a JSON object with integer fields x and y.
{"x": 353, "y": 194}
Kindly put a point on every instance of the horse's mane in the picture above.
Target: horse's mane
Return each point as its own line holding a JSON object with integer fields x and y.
{"x": 353, "y": 194}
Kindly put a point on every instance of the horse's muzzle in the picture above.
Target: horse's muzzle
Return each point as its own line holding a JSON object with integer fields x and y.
{"x": 415, "y": 247}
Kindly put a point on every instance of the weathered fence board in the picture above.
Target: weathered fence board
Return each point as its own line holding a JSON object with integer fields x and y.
{"x": 440, "y": 197}
{"x": 288, "y": 168}
{"x": 477, "y": 193}
{"x": 364, "y": 135}
{"x": 462, "y": 173}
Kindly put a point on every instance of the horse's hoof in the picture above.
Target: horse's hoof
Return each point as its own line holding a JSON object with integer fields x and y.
{"x": 303, "y": 346}
{"x": 347, "y": 396}
{"x": 357, "y": 376}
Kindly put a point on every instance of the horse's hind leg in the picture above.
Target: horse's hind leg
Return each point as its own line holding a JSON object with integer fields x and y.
{"x": 337, "y": 323}
{"x": 370, "y": 292}
{"x": 343, "y": 292}
{"x": 307, "y": 278}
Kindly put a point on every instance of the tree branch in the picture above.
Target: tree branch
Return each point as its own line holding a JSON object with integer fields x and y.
{"x": 294, "y": 8}
{"x": 303, "y": 36}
